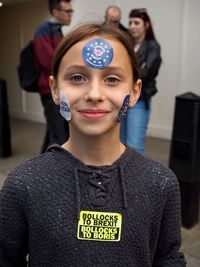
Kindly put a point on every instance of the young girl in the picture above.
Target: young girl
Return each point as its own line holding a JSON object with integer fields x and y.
{"x": 147, "y": 50}
{"x": 93, "y": 201}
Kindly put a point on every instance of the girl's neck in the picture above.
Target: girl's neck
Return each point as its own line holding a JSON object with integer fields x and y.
{"x": 139, "y": 40}
{"x": 95, "y": 150}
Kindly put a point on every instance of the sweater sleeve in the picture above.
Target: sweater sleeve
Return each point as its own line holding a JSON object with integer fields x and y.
{"x": 149, "y": 69}
{"x": 13, "y": 226}
{"x": 169, "y": 242}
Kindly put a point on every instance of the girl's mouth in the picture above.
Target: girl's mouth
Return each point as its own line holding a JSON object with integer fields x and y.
{"x": 94, "y": 114}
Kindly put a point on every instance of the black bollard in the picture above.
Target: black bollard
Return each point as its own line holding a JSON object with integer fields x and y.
{"x": 5, "y": 136}
{"x": 185, "y": 154}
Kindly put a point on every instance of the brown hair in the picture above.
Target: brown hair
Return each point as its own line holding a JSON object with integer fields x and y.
{"x": 82, "y": 31}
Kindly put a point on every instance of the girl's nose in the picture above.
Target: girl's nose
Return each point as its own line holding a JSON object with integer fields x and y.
{"x": 95, "y": 92}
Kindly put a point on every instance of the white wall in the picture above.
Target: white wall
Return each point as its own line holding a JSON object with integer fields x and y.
{"x": 176, "y": 25}
{"x": 190, "y": 60}
{"x": 17, "y": 25}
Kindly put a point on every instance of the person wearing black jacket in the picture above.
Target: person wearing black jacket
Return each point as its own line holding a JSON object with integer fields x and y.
{"x": 147, "y": 50}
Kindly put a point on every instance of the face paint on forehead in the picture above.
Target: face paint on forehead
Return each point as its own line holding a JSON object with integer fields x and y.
{"x": 124, "y": 109}
{"x": 97, "y": 53}
{"x": 65, "y": 110}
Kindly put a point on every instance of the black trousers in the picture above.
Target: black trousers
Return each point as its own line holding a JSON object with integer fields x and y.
{"x": 57, "y": 128}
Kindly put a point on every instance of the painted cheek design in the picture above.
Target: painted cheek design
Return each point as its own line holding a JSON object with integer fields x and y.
{"x": 65, "y": 110}
{"x": 97, "y": 53}
{"x": 124, "y": 109}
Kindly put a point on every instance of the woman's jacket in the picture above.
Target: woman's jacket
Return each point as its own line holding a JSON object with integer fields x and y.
{"x": 149, "y": 60}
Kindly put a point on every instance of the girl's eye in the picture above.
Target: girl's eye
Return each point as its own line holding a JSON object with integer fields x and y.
{"x": 77, "y": 78}
{"x": 112, "y": 80}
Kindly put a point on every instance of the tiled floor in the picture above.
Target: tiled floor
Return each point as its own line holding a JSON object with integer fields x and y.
{"x": 26, "y": 142}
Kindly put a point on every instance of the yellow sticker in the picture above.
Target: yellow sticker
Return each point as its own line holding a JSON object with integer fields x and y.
{"x": 99, "y": 226}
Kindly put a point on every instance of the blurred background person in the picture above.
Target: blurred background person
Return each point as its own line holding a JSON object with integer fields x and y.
{"x": 113, "y": 15}
{"x": 147, "y": 50}
{"x": 46, "y": 39}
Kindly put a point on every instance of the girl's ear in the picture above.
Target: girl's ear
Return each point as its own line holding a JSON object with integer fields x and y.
{"x": 135, "y": 93}
{"x": 54, "y": 90}
{"x": 146, "y": 26}
{"x": 55, "y": 12}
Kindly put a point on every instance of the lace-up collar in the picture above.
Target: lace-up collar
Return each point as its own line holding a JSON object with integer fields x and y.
{"x": 100, "y": 179}
{"x": 100, "y": 185}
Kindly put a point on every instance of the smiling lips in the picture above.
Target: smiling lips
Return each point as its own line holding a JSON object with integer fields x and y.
{"x": 94, "y": 114}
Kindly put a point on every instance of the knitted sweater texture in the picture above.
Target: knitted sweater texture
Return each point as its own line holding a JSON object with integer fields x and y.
{"x": 41, "y": 200}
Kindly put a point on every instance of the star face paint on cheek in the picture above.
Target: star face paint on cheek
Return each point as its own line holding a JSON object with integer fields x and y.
{"x": 124, "y": 109}
{"x": 97, "y": 53}
{"x": 65, "y": 110}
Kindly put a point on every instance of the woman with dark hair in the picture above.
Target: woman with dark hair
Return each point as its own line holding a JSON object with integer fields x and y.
{"x": 92, "y": 201}
{"x": 147, "y": 50}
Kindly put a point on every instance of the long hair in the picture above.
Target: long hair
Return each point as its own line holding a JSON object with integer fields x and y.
{"x": 82, "y": 31}
{"x": 142, "y": 14}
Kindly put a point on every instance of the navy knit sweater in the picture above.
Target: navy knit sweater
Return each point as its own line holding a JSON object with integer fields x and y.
{"x": 41, "y": 201}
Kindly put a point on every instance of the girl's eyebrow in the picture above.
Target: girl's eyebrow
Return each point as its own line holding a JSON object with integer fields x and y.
{"x": 75, "y": 67}
{"x": 116, "y": 68}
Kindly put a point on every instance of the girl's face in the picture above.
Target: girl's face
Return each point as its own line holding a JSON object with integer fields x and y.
{"x": 95, "y": 95}
{"x": 137, "y": 27}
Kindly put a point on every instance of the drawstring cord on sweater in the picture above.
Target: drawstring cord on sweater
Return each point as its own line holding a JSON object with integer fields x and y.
{"x": 121, "y": 175}
{"x": 101, "y": 188}
{"x": 78, "y": 193}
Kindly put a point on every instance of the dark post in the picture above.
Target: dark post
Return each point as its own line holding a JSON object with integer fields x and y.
{"x": 5, "y": 143}
{"x": 185, "y": 154}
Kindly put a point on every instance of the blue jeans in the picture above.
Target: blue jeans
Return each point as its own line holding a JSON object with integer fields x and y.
{"x": 134, "y": 126}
